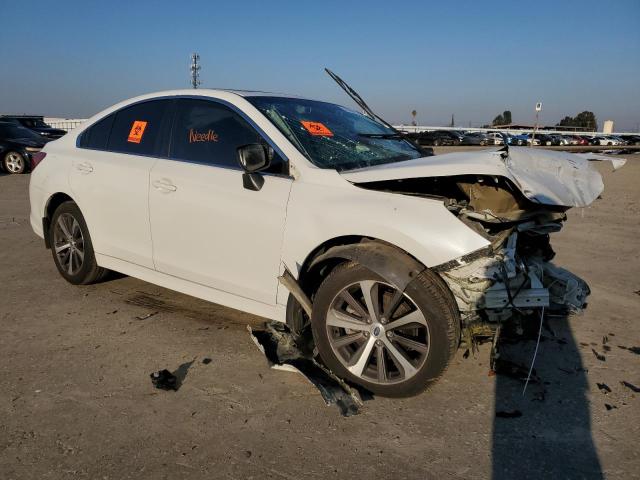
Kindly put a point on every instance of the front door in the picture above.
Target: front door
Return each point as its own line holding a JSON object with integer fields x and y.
{"x": 206, "y": 227}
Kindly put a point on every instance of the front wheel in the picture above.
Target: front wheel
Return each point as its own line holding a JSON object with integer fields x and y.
{"x": 71, "y": 246}
{"x": 392, "y": 343}
{"x": 14, "y": 163}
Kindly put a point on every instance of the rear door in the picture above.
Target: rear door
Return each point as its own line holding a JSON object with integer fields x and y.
{"x": 206, "y": 227}
{"x": 110, "y": 178}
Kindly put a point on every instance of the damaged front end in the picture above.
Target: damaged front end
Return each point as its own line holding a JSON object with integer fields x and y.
{"x": 513, "y": 276}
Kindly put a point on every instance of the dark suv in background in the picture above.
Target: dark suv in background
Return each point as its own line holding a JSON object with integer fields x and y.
{"x": 34, "y": 123}
{"x": 18, "y": 146}
{"x": 436, "y": 138}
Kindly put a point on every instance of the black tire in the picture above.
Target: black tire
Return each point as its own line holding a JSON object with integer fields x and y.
{"x": 428, "y": 293}
{"x": 89, "y": 271}
{"x": 14, "y": 163}
{"x": 436, "y": 143}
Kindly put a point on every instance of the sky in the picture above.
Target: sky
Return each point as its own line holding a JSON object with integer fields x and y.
{"x": 472, "y": 59}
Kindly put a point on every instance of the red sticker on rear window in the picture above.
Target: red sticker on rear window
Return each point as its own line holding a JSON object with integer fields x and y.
{"x": 317, "y": 128}
{"x": 136, "y": 132}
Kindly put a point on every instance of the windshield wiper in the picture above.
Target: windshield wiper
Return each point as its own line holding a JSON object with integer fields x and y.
{"x": 358, "y": 99}
{"x": 373, "y": 116}
{"x": 385, "y": 136}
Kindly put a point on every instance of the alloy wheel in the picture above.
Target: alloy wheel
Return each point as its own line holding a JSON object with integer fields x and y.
{"x": 68, "y": 243}
{"x": 14, "y": 162}
{"x": 377, "y": 332}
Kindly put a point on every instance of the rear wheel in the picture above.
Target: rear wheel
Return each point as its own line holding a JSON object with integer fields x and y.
{"x": 72, "y": 248}
{"x": 393, "y": 343}
{"x": 14, "y": 163}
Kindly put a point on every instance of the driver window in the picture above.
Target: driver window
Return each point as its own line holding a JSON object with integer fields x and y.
{"x": 210, "y": 133}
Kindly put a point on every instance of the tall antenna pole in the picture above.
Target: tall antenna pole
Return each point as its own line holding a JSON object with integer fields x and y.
{"x": 195, "y": 70}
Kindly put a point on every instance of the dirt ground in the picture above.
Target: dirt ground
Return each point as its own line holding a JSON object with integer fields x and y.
{"x": 76, "y": 400}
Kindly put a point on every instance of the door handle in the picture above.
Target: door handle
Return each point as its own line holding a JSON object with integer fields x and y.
{"x": 164, "y": 185}
{"x": 84, "y": 167}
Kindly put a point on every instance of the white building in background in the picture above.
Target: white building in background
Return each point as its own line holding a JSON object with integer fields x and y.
{"x": 607, "y": 128}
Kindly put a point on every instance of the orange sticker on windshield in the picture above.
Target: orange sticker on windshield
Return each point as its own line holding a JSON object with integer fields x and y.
{"x": 137, "y": 130}
{"x": 317, "y": 128}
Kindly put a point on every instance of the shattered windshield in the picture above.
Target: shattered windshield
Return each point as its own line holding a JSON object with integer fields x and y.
{"x": 331, "y": 136}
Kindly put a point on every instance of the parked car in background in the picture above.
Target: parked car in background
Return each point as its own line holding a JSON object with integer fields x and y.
{"x": 631, "y": 139}
{"x": 17, "y": 147}
{"x": 438, "y": 137}
{"x": 520, "y": 140}
{"x": 547, "y": 140}
{"x": 475, "y": 138}
{"x": 607, "y": 141}
{"x": 535, "y": 141}
{"x": 36, "y": 124}
{"x": 507, "y": 138}
{"x": 495, "y": 138}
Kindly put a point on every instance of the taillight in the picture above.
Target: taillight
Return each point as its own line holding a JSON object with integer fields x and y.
{"x": 36, "y": 158}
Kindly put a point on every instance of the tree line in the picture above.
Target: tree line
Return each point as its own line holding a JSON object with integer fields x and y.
{"x": 586, "y": 120}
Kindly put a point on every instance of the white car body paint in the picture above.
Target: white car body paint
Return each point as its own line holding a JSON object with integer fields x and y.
{"x": 215, "y": 240}
{"x": 543, "y": 176}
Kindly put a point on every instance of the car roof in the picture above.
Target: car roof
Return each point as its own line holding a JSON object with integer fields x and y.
{"x": 241, "y": 93}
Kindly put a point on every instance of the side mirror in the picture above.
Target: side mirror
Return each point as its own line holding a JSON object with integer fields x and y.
{"x": 253, "y": 158}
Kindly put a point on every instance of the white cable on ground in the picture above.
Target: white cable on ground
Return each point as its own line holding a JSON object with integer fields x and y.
{"x": 535, "y": 353}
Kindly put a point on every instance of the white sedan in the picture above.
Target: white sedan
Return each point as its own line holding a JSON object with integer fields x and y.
{"x": 312, "y": 214}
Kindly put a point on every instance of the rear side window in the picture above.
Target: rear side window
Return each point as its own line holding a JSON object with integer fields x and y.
{"x": 97, "y": 135}
{"x": 141, "y": 129}
{"x": 209, "y": 132}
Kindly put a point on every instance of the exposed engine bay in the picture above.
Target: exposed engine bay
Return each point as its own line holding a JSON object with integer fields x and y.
{"x": 514, "y": 276}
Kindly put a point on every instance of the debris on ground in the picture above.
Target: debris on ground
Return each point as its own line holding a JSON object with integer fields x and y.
{"x": 206, "y": 360}
{"x": 609, "y": 407}
{"x": 279, "y": 347}
{"x": 514, "y": 370}
{"x": 599, "y": 356}
{"x": 146, "y": 315}
{"x": 630, "y": 386}
{"x": 604, "y": 388}
{"x": 166, "y": 380}
{"x": 574, "y": 370}
{"x": 509, "y": 414}
{"x": 635, "y": 350}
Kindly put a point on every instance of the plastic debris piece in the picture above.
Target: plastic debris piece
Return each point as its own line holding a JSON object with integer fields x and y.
{"x": 604, "y": 388}
{"x": 206, "y": 360}
{"x": 164, "y": 380}
{"x": 630, "y": 386}
{"x": 635, "y": 350}
{"x": 609, "y": 407}
{"x": 599, "y": 356}
{"x": 279, "y": 347}
{"x": 146, "y": 315}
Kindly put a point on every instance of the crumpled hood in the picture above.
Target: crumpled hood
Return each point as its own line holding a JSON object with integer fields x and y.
{"x": 543, "y": 176}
